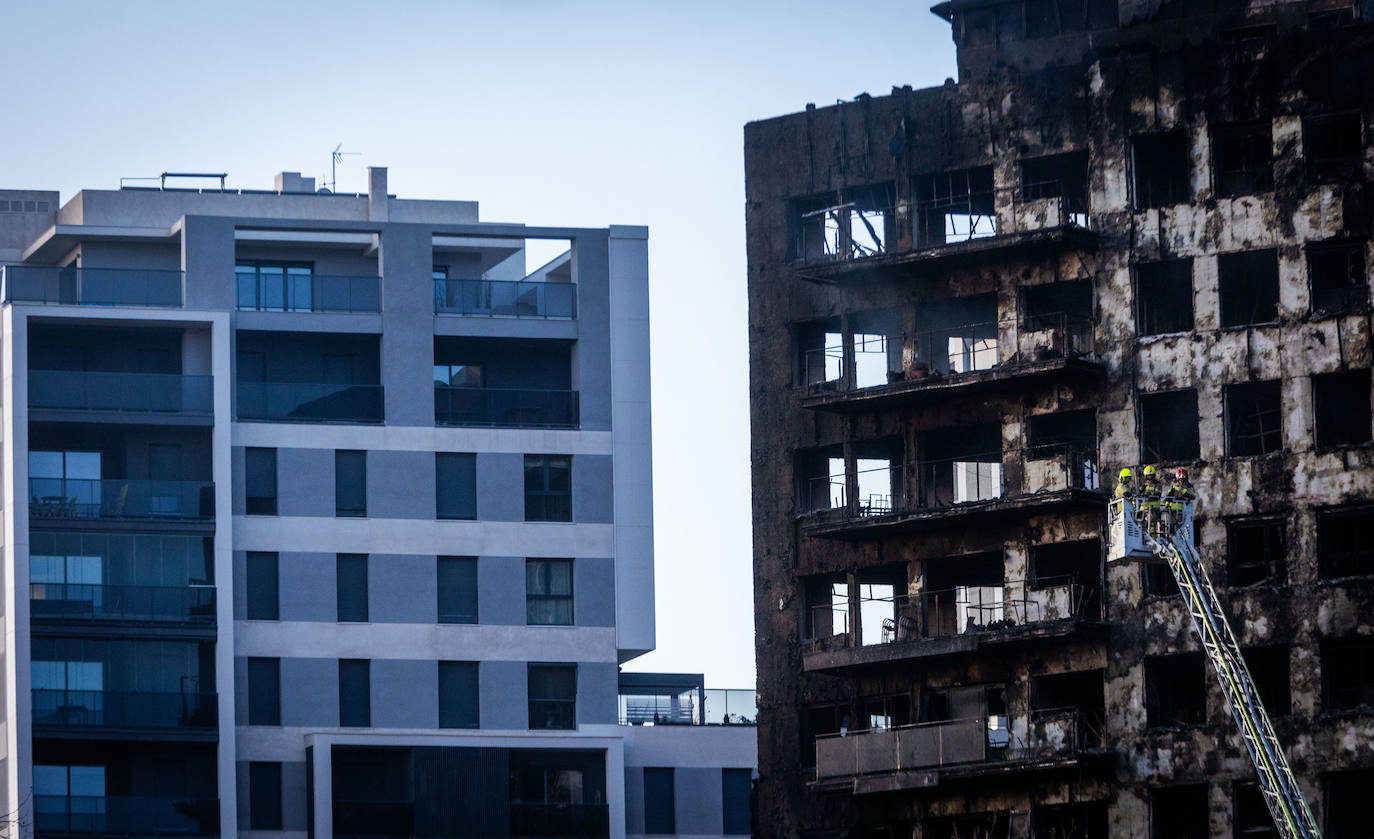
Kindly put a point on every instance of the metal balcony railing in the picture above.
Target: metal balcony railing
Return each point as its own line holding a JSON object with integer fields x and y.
{"x": 501, "y": 298}
{"x": 92, "y": 286}
{"x": 537, "y": 821}
{"x": 86, "y": 390}
{"x": 125, "y": 815}
{"x": 963, "y": 215}
{"x": 116, "y": 498}
{"x": 119, "y": 710}
{"x": 505, "y": 407}
{"x": 309, "y": 402}
{"x": 852, "y": 230}
{"x": 310, "y": 293}
{"x": 122, "y": 604}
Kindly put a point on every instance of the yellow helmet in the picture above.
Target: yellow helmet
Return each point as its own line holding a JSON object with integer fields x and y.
{"x": 1126, "y": 474}
{"x": 1149, "y": 471}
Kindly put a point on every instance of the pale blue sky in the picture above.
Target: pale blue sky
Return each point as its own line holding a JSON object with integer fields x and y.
{"x": 547, "y": 112}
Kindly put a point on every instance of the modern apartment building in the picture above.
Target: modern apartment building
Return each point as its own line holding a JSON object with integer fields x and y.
{"x": 326, "y": 516}
{"x": 1132, "y": 232}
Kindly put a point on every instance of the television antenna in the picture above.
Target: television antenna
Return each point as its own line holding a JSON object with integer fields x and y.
{"x": 335, "y": 157}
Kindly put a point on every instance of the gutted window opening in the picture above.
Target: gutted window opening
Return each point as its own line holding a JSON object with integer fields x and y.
{"x": 1077, "y": 565}
{"x": 1330, "y": 19}
{"x": 820, "y": 354}
{"x": 827, "y": 607}
{"x": 1243, "y": 158}
{"x": 1345, "y": 543}
{"x": 1268, "y": 668}
{"x": 1179, "y": 812}
{"x": 1249, "y": 287}
{"x": 1080, "y": 821}
{"x": 1160, "y": 164}
{"x": 960, "y": 466}
{"x": 1332, "y": 145}
{"x": 1045, "y": 306}
{"x": 1347, "y": 804}
{"x": 884, "y": 616}
{"x": 1336, "y": 272}
{"x": 1169, "y": 426}
{"x": 1062, "y": 178}
{"x": 854, "y": 223}
{"x": 955, "y": 336}
{"x": 1347, "y": 674}
{"x": 1080, "y": 693}
{"x": 821, "y": 480}
{"x": 1054, "y": 434}
{"x": 1164, "y": 297}
{"x": 986, "y": 702}
{"x": 1252, "y": 819}
{"x": 1255, "y": 552}
{"x": 877, "y": 713}
{"x": 1254, "y": 418}
{"x": 878, "y": 476}
{"x": 984, "y": 826}
{"x": 1342, "y": 408}
{"x": 1175, "y": 694}
{"x": 964, "y": 594}
{"x": 1156, "y": 579}
{"x": 954, "y": 206}
{"x": 876, "y": 344}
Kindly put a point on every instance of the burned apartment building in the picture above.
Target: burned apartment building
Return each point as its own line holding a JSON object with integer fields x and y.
{"x": 1133, "y": 232}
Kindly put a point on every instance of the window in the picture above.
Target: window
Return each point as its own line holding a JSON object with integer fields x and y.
{"x": 1254, "y": 418}
{"x": 1332, "y": 145}
{"x": 1249, "y": 287}
{"x": 1063, "y": 432}
{"x": 1160, "y": 163}
{"x": 1252, "y": 817}
{"x": 260, "y": 482}
{"x": 548, "y": 592}
{"x": 1347, "y": 804}
{"x": 1242, "y": 158}
{"x": 1268, "y": 668}
{"x": 1341, "y": 404}
{"x": 351, "y": 581}
{"x": 1062, "y": 176}
{"x": 263, "y": 593}
{"x": 548, "y": 487}
{"x": 63, "y": 483}
{"x": 1084, "y": 820}
{"x": 1255, "y": 553}
{"x": 61, "y": 791}
{"x": 458, "y": 375}
{"x": 1345, "y": 543}
{"x": 553, "y": 696}
{"x": 350, "y": 483}
{"x": 659, "y": 804}
{"x": 1174, "y": 690}
{"x": 1347, "y": 674}
{"x": 1179, "y": 813}
{"x": 736, "y": 789}
{"x": 458, "y": 695}
{"x": 264, "y": 796}
{"x": 1156, "y": 578}
{"x": 264, "y": 691}
{"x": 455, "y": 485}
{"x": 1336, "y": 273}
{"x": 355, "y": 692}
{"x": 274, "y": 286}
{"x": 955, "y": 206}
{"x": 1168, "y": 426}
{"x": 1164, "y": 297}
{"x": 457, "y": 589}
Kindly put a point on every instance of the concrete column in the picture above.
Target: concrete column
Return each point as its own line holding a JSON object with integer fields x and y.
{"x": 406, "y": 258}
{"x": 378, "y": 205}
{"x": 207, "y": 258}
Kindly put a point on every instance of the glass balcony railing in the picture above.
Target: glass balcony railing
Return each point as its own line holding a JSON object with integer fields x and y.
{"x": 496, "y": 298}
{"x": 309, "y": 293}
{"x": 727, "y": 706}
{"x": 122, "y": 604}
{"x": 528, "y": 821}
{"x": 505, "y": 407}
{"x": 116, "y": 498}
{"x": 680, "y": 706}
{"x": 86, "y": 390}
{"x": 125, "y": 815}
{"x": 112, "y": 709}
{"x": 92, "y": 286}
{"x": 309, "y": 402}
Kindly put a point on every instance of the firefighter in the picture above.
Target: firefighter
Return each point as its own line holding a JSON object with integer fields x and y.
{"x": 1182, "y": 491}
{"x": 1150, "y": 498}
{"x": 1125, "y": 486}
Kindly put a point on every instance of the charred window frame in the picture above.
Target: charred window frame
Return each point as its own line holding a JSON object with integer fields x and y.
{"x": 954, "y": 206}
{"x": 1269, "y": 669}
{"x": 1249, "y": 287}
{"x": 1250, "y": 813}
{"x": 1084, "y": 819}
{"x": 1341, "y": 408}
{"x": 1337, "y": 278}
{"x": 1179, "y": 812}
{"x": 1169, "y": 426}
{"x": 1243, "y": 158}
{"x": 1163, "y": 297}
{"x": 1175, "y": 691}
{"x": 1079, "y": 562}
{"x": 1062, "y": 176}
{"x": 1255, "y": 552}
{"x": 852, "y": 223}
{"x": 1074, "y": 432}
{"x": 1347, "y": 674}
{"x": 1346, "y": 795}
{"x": 1161, "y": 169}
{"x": 1333, "y": 146}
{"x": 1156, "y": 578}
{"x": 1254, "y": 418}
{"x": 1345, "y": 543}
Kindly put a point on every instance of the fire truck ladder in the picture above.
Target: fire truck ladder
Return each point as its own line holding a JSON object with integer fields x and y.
{"x": 1286, "y": 802}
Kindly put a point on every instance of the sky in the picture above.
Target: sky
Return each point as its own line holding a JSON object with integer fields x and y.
{"x": 547, "y": 112}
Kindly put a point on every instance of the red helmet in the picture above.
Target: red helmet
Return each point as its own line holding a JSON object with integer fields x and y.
{"x": 1181, "y": 473}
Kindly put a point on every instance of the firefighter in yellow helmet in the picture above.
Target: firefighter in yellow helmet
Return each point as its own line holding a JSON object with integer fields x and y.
{"x": 1150, "y": 497}
{"x": 1125, "y": 483}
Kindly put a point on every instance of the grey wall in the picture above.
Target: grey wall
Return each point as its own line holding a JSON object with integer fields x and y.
{"x": 503, "y": 694}
{"x": 597, "y": 693}
{"x": 592, "y": 356}
{"x": 591, "y": 489}
{"x": 501, "y": 590}
{"x": 405, "y": 694}
{"x": 501, "y": 487}
{"x": 594, "y": 591}
{"x": 407, "y": 256}
{"x": 401, "y": 589}
{"x": 293, "y": 781}
{"x": 400, "y": 485}
{"x": 310, "y": 692}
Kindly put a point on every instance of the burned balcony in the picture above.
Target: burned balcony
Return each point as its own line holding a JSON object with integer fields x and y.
{"x": 78, "y": 286}
{"x": 854, "y": 224}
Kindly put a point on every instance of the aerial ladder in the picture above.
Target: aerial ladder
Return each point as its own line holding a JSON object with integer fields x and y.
{"x": 1143, "y": 528}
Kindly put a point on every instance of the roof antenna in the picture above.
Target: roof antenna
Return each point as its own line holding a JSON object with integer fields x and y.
{"x": 335, "y": 157}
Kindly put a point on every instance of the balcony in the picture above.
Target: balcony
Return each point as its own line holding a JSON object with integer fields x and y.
{"x": 89, "y": 393}
{"x": 82, "y": 713}
{"x": 92, "y": 286}
{"x": 554, "y": 821}
{"x": 85, "y": 605}
{"x": 505, "y": 407}
{"x": 496, "y": 298}
{"x": 308, "y": 292}
{"x": 125, "y": 816}
{"x": 117, "y": 498}
{"x": 310, "y": 402}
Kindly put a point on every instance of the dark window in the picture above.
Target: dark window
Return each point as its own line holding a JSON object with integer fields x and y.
{"x": 1164, "y": 297}
{"x": 1179, "y": 813}
{"x": 1336, "y": 272}
{"x": 350, "y": 483}
{"x": 1332, "y": 145}
{"x": 1249, "y": 287}
{"x": 455, "y": 485}
{"x": 274, "y": 286}
{"x": 1347, "y": 804}
{"x": 1161, "y": 169}
{"x": 1174, "y": 691}
{"x": 1077, "y": 564}
{"x": 1063, "y": 176}
{"x": 1168, "y": 426}
{"x": 1345, "y": 543}
{"x": 458, "y": 696}
{"x": 1252, "y": 814}
{"x": 355, "y": 692}
{"x": 1063, "y": 432}
{"x": 1255, "y": 552}
{"x": 548, "y": 487}
{"x": 1347, "y": 674}
{"x": 457, "y": 589}
{"x": 1156, "y": 578}
{"x": 549, "y": 592}
{"x": 736, "y": 788}
{"x": 351, "y": 579}
{"x": 1254, "y": 418}
{"x": 1341, "y": 403}
{"x": 260, "y": 482}
{"x": 264, "y": 796}
{"x": 1268, "y": 668}
{"x": 954, "y": 206}
{"x": 1242, "y": 158}
{"x": 263, "y": 597}
{"x": 659, "y": 805}
{"x": 1085, "y": 820}
{"x": 264, "y": 691}
{"x": 553, "y": 696}
{"x": 1330, "y": 19}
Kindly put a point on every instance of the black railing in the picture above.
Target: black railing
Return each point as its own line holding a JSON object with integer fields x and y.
{"x": 309, "y": 402}
{"x": 518, "y": 299}
{"x": 87, "y": 390}
{"x": 131, "y": 604}
{"x": 92, "y": 286}
{"x": 505, "y": 407}
{"x": 112, "y": 709}
{"x": 537, "y": 821}
{"x": 116, "y": 498}
{"x": 125, "y": 815}
{"x": 310, "y": 293}
{"x": 965, "y": 215}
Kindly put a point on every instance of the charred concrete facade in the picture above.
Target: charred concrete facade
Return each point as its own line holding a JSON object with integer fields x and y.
{"x": 1132, "y": 234}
